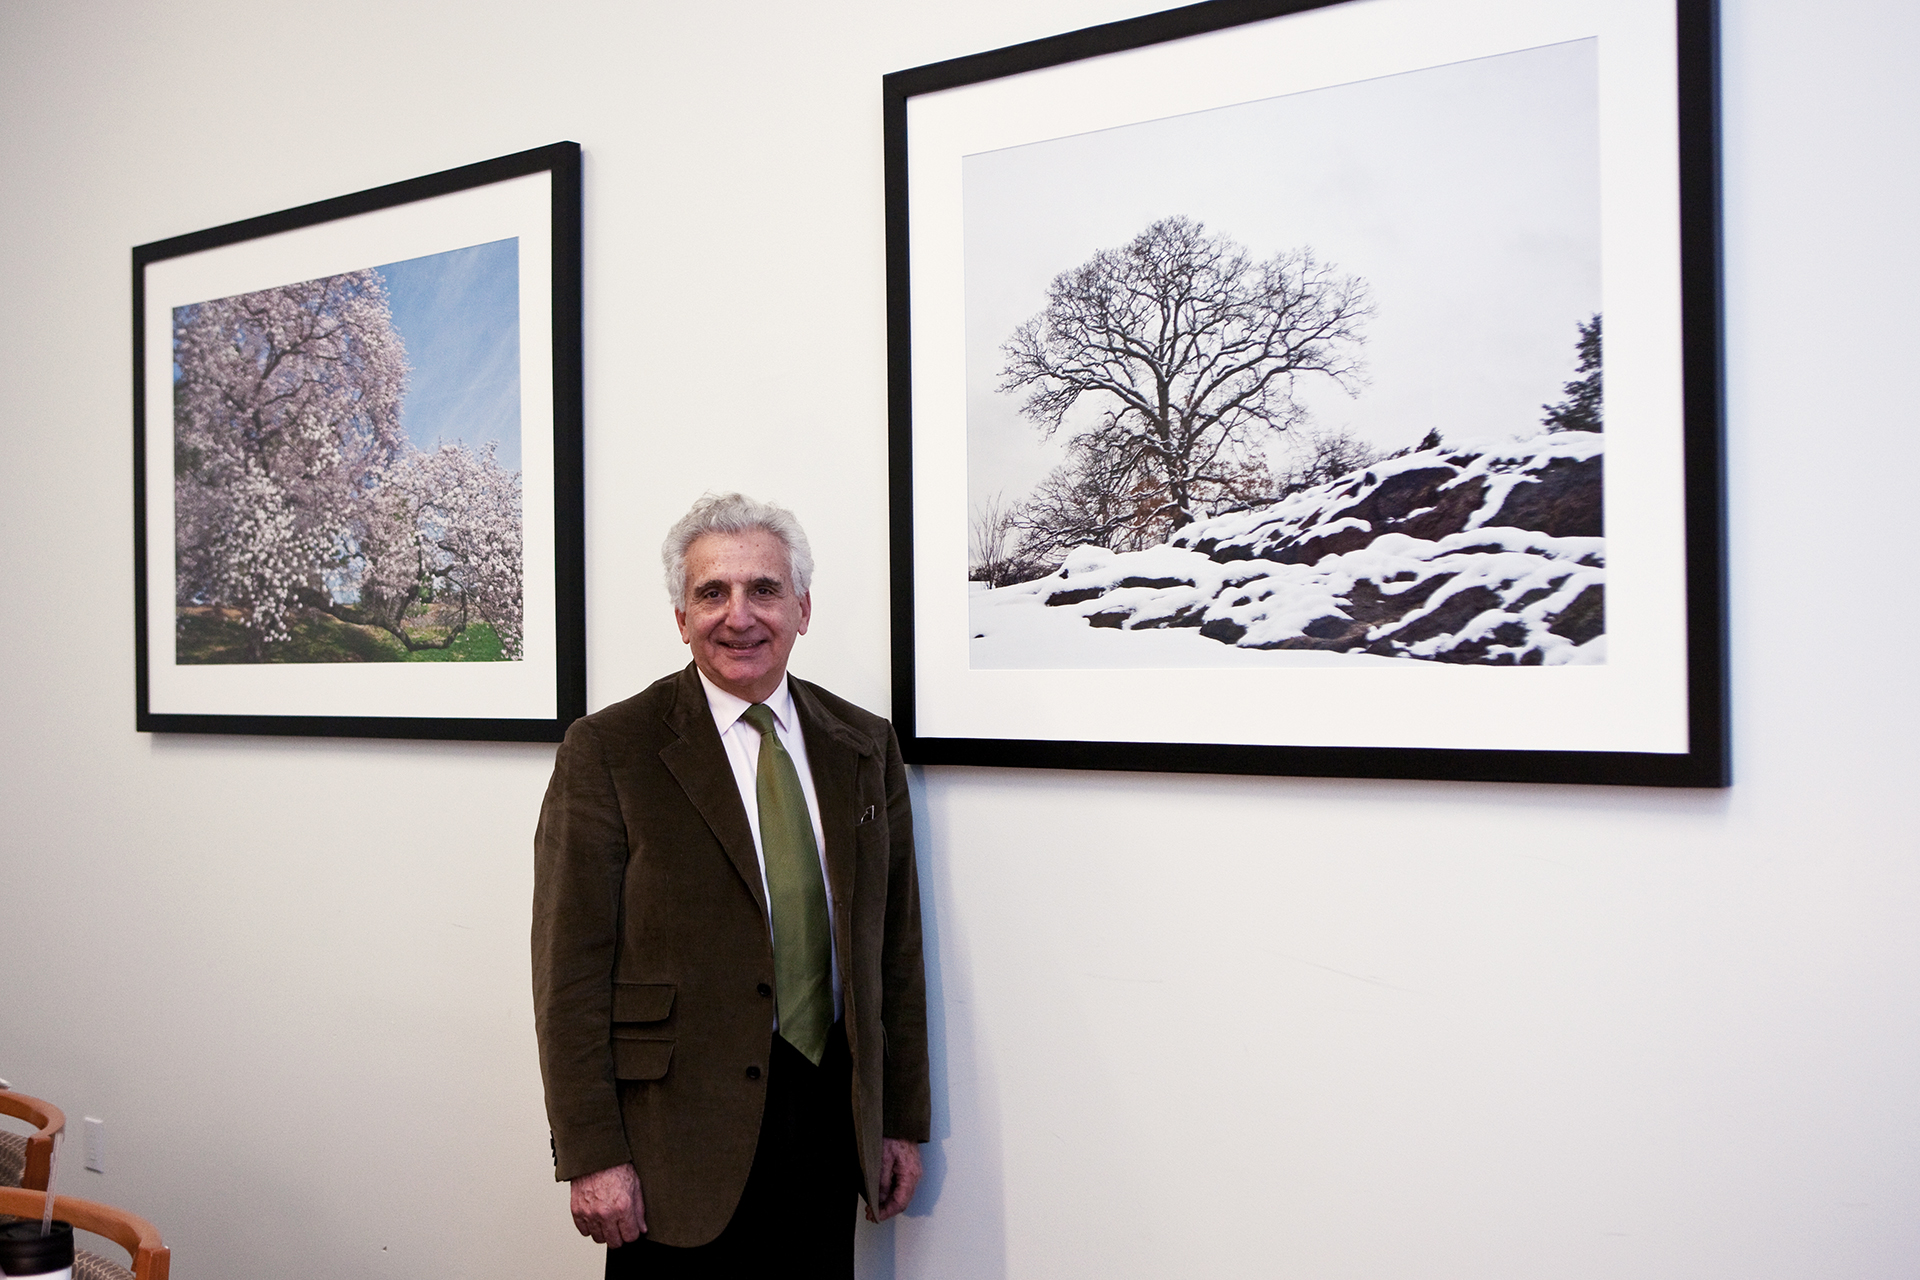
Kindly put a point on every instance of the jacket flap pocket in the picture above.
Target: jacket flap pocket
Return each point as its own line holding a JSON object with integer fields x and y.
{"x": 642, "y": 1001}
{"x": 641, "y": 1059}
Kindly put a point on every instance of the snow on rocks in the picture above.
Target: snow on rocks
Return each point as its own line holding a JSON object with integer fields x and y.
{"x": 1494, "y": 557}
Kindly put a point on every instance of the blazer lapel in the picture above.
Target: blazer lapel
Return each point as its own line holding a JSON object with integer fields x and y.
{"x": 698, "y": 762}
{"x": 833, "y": 754}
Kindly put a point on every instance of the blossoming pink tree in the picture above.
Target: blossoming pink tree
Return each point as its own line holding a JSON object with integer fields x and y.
{"x": 446, "y": 526}
{"x": 286, "y": 408}
{"x": 295, "y": 485}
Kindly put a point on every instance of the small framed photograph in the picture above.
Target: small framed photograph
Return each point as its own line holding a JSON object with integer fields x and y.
{"x": 1315, "y": 387}
{"x": 357, "y": 466}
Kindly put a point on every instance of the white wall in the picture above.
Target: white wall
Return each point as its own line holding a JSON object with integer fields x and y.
{"x": 1186, "y": 1026}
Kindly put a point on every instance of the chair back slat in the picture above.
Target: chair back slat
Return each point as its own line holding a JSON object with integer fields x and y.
{"x": 91, "y": 1266}
{"x": 39, "y": 1162}
{"x": 13, "y": 1159}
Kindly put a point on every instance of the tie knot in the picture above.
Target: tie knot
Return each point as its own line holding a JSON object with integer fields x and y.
{"x": 760, "y": 716}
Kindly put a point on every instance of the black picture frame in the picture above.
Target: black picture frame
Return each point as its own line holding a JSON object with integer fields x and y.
{"x": 532, "y": 197}
{"x": 934, "y": 689}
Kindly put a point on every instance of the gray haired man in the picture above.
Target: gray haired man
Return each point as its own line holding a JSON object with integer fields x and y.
{"x": 728, "y": 986}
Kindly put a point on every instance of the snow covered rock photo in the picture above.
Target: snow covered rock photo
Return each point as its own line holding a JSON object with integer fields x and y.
{"x": 1494, "y": 556}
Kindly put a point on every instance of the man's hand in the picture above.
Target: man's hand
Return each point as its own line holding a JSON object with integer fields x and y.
{"x": 606, "y": 1205}
{"x": 899, "y": 1175}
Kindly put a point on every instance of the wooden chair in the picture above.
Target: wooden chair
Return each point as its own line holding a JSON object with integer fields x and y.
{"x": 32, "y": 1155}
{"x": 134, "y": 1234}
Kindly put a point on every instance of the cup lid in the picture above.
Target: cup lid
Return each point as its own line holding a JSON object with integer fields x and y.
{"x": 25, "y": 1252}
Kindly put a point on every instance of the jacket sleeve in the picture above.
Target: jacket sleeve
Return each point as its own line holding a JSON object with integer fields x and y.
{"x": 907, "y": 1101}
{"x": 579, "y": 867}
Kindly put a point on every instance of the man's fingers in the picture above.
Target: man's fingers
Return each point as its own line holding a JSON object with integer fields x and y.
{"x": 613, "y": 1228}
{"x": 633, "y": 1216}
{"x": 621, "y": 1223}
{"x": 900, "y": 1170}
{"x": 607, "y": 1206}
{"x": 897, "y": 1198}
{"x": 599, "y": 1228}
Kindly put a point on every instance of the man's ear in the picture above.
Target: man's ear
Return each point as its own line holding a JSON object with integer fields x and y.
{"x": 680, "y": 621}
{"x": 806, "y": 612}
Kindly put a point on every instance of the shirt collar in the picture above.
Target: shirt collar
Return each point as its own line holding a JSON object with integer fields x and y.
{"x": 727, "y": 709}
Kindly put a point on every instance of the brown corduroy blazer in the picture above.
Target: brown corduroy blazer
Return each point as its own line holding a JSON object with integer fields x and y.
{"x": 653, "y": 965}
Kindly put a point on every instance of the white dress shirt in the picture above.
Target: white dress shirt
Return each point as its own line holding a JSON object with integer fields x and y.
{"x": 742, "y": 742}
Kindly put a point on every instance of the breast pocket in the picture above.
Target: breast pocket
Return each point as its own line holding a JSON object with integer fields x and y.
{"x": 642, "y": 1046}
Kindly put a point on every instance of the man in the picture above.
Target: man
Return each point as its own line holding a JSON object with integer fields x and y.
{"x": 728, "y": 988}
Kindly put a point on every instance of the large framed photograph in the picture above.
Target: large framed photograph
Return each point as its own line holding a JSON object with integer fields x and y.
{"x": 1316, "y": 387}
{"x": 357, "y": 463}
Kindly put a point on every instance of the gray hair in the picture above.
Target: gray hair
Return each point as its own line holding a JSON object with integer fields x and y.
{"x": 733, "y": 513}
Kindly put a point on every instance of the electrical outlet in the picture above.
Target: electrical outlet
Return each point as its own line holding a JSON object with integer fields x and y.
{"x": 96, "y": 1131}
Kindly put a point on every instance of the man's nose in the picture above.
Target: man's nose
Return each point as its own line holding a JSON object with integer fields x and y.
{"x": 738, "y": 614}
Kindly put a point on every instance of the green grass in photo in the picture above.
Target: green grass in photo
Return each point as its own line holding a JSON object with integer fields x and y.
{"x": 477, "y": 643}
{"x": 208, "y": 637}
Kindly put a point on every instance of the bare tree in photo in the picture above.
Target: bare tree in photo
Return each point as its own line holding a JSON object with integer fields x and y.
{"x": 1319, "y": 457}
{"x": 1105, "y": 498}
{"x": 1188, "y": 350}
{"x": 989, "y": 536}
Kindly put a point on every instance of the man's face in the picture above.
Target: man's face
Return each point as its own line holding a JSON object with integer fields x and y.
{"x": 741, "y": 615}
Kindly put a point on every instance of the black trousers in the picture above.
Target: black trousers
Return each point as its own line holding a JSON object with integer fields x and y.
{"x": 797, "y": 1215}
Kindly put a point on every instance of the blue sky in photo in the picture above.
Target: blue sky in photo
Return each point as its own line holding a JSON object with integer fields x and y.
{"x": 459, "y": 314}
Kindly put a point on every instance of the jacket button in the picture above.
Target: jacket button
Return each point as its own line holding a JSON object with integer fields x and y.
{"x": 753, "y": 1073}
{"x": 764, "y": 989}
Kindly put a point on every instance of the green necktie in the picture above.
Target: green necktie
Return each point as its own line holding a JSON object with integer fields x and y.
{"x": 796, "y": 896}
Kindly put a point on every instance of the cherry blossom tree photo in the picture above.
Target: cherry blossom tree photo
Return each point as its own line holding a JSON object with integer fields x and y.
{"x": 346, "y": 467}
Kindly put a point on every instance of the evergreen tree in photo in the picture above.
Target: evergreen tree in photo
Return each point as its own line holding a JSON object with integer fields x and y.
{"x": 1581, "y": 410}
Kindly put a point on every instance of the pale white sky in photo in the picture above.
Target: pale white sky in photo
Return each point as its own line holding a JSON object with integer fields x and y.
{"x": 1467, "y": 196}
